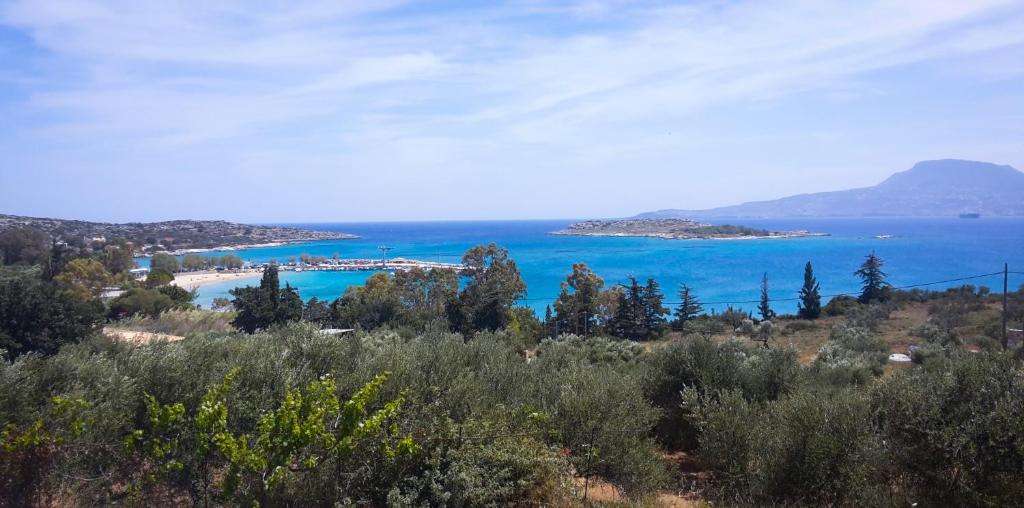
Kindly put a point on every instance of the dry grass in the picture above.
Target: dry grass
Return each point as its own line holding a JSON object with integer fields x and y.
{"x": 180, "y": 323}
{"x": 137, "y": 337}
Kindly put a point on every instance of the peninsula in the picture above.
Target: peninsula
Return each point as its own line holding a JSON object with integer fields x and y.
{"x": 674, "y": 229}
{"x": 177, "y": 236}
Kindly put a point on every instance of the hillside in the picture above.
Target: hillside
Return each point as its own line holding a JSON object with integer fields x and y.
{"x": 939, "y": 188}
{"x": 171, "y": 235}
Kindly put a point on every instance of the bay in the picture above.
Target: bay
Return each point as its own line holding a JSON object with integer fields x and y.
{"x": 721, "y": 272}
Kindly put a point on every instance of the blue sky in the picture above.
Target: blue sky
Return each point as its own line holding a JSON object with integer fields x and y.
{"x": 392, "y": 110}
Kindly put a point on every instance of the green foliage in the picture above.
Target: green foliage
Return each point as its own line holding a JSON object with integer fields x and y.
{"x": 688, "y": 310}
{"x": 165, "y": 262}
{"x": 193, "y": 262}
{"x": 159, "y": 277}
{"x": 852, "y": 355}
{"x": 840, "y": 305}
{"x": 874, "y": 288}
{"x": 141, "y": 301}
{"x": 84, "y": 278}
{"x": 24, "y": 246}
{"x": 37, "y": 316}
{"x": 808, "y": 448}
{"x": 955, "y": 429}
{"x": 639, "y": 314}
{"x": 266, "y": 305}
{"x": 628, "y": 321}
{"x": 118, "y": 257}
{"x": 764, "y": 308}
{"x": 709, "y": 368}
{"x": 28, "y": 451}
{"x": 729, "y": 230}
{"x": 810, "y": 295}
{"x": 376, "y": 303}
{"x": 578, "y": 305}
{"x": 522, "y": 424}
{"x": 494, "y": 286}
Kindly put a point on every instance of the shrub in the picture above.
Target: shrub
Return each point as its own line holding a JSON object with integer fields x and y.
{"x": 840, "y": 305}
{"x": 798, "y": 326}
{"x": 807, "y": 448}
{"x": 709, "y": 369}
{"x": 140, "y": 301}
{"x": 954, "y": 429}
{"x": 852, "y": 355}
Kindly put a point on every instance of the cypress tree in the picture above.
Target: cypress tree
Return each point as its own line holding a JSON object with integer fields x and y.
{"x": 764, "y": 308}
{"x": 688, "y": 309}
{"x": 549, "y": 323}
{"x": 874, "y": 288}
{"x": 810, "y": 296}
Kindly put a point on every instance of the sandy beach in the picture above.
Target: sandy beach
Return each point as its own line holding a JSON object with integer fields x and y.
{"x": 192, "y": 280}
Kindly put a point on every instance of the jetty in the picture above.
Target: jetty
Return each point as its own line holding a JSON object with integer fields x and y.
{"x": 361, "y": 265}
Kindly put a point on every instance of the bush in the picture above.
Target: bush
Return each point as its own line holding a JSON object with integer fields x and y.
{"x": 797, "y": 326}
{"x": 36, "y": 316}
{"x": 840, "y": 305}
{"x": 954, "y": 429}
{"x": 528, "y": 421}
{"x": 852, "y": 355}
{"x": 140, "y": 301}
{"x": 710, "y": 368}
{"x": 804, "y": 449}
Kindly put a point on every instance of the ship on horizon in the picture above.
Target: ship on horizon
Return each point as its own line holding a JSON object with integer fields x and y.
{"x": 970, "y": 215}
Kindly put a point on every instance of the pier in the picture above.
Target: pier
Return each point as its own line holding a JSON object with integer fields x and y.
{"x": 362, "y": 265}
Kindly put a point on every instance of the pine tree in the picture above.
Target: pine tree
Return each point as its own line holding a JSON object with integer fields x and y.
{"x": 764, "y": 308}
{"x": 875, "y": 288}
{"x": 653, "y": 310}
{"x": 628, "y": 321}
{"x": 810, "y": 296}
{"x": 577, "y": 303}
{"x": 688, "y": 309}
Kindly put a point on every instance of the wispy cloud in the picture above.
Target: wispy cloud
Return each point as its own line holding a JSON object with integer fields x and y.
{"x": 350, "y": 87}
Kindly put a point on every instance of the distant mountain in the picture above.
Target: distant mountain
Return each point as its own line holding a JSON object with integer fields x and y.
{"x": 939, "y": 188}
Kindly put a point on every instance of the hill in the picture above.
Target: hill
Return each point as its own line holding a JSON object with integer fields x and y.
{"x": 938, "y": 188}
{"x": 176, "y": 235}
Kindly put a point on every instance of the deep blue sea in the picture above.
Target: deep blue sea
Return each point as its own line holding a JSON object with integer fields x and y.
{"x": 719, "y": 271}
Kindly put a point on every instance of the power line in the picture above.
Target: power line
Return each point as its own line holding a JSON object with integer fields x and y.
{"x": 849, "y": 293}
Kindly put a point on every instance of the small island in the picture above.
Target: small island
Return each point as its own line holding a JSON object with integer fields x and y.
{"x": 675, "y": 229}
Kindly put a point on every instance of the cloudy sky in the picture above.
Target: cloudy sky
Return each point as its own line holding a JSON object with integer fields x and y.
{"x": 391, "y": 110}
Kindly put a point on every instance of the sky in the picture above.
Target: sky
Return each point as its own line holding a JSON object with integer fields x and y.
{"x": 323, "y": 111}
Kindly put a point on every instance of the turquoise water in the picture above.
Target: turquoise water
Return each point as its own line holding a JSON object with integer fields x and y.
{"x": 923, "y": 250}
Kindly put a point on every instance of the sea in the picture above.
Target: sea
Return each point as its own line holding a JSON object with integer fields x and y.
{"x": 933, "y": 253}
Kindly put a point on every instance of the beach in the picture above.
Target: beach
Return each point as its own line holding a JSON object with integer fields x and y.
{"x": 193, "y": 280}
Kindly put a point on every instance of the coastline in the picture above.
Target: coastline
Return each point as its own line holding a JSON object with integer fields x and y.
{"x": 230, "y": 248}
{"x": 195, "y": 280}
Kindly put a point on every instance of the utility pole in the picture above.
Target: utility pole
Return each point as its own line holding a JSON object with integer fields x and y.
{"x": 1006, "y": 276}
{"x": 384, "y": 255}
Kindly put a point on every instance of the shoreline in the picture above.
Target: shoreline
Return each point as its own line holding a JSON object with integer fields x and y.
{"x": 231, "y": 248}
{"x": 195, "y": 280}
